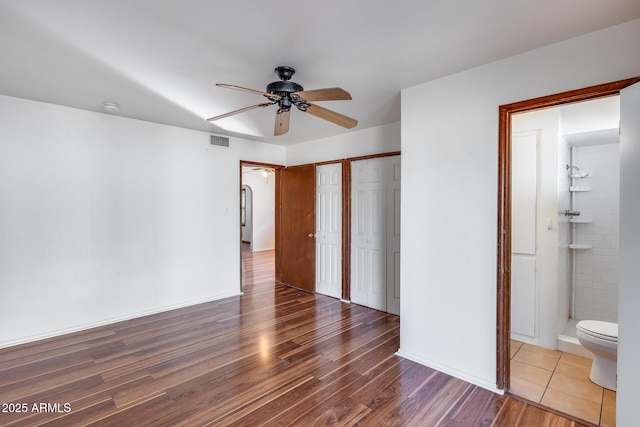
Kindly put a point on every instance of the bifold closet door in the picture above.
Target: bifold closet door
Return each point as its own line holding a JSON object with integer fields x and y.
{"x": 375, "y": 233}
{"x": 393, "y": 235}
{"x": 329, "y": 229}
{"x": 368, "y": 226}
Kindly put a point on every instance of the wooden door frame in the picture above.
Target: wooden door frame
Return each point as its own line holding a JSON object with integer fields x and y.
{"x": 276, "y": 168}
{"x": 503, "y": 294}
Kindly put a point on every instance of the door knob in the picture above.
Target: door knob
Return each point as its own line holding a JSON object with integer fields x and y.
{"x": 311, "y": 234}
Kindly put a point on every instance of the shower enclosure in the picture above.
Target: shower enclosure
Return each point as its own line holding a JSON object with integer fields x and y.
{"x": 592, "y": 235}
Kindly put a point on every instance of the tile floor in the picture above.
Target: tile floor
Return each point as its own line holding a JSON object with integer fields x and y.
{"x": 560, "y": 381}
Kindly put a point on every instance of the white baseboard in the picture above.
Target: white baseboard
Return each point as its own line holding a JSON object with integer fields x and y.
{"x": 524, "y": 338}
{"x": 464, "y": 376}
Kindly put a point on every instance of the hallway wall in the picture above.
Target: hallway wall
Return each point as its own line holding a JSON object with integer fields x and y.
{"x": 263, "y": 190}
{"x": 375, "y": 140}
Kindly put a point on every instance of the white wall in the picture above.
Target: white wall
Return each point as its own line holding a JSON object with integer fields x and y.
{"x": 449, "y": 183}
{"x": 104, "y": 218}
{"x": 380, "y": 139}
{"x": 628, "y": 393}
{"x": 263, "y": 218}
{"x": 565, "y": 264}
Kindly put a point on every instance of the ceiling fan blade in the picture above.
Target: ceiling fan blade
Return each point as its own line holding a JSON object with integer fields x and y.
{"x": 242, "y": 110}
{"x": 282, "y": 123}
{"x": 332, "y": 116}
{"x": 328, "y": 94}
{"x": 246, "y": 89}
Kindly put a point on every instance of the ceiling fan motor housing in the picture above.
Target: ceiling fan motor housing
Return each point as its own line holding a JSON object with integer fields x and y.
{"x": 284, "y": 89}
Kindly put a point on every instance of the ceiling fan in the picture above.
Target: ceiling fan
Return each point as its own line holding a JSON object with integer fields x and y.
{"x": 285, "y": 94}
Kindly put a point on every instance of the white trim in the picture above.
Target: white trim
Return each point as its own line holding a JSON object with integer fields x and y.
{"x": 480, "y": 382}
{"x": 87, "y": 326}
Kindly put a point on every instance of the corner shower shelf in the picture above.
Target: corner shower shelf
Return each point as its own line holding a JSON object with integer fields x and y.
{"x": 580, "y": 220}
{"x": 579, "y": 246}
{"x": 579, "y": 188}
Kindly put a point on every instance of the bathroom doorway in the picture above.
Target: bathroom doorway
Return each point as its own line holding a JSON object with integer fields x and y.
{"x": 503, "y": 319}
{"x": 565, "y": 232}
{"x": 503, "y": 340}
{"x": 565, "y": 218}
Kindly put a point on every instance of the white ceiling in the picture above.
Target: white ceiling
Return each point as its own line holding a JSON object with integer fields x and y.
{"x": 593, "y": 122}
{"x": 160, "y": 59}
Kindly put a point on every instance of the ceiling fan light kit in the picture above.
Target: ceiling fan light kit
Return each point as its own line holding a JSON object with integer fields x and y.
{"x": 285, "y": 94}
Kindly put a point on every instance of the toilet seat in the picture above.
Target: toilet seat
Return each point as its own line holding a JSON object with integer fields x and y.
{"x": 596, "y": 328}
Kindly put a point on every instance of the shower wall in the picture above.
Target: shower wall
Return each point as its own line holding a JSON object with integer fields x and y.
{"x": 564, "y": 236}
{"x": 596, "y": 281}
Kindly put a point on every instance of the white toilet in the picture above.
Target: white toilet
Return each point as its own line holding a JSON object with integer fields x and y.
{"x": 601, "y": 339}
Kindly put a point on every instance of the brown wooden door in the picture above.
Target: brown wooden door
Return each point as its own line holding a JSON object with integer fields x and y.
{"x": 297, "y": 225}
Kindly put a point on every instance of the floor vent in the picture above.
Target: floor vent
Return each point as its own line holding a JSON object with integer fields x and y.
{"x": 220, "y": 141}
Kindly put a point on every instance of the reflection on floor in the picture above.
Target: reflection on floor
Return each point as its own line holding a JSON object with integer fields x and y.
{"x": 560, "y": 381}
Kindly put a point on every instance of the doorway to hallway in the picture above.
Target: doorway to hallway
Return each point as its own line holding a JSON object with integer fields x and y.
{"x": 257, "y": 201}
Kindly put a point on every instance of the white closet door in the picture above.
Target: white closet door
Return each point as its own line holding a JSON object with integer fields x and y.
{"x": 368, "y": 261}
{"x": 359, "y": 233}
{"x": 523, "y": 192}
{"x": 523, "y": 295}
{"x": 375, "y": 228}
{"x": 377, "y": 235}
{"x": 523, "y": 233}
{"x": 329, "y": 230}
{"x": 393, "y": 236}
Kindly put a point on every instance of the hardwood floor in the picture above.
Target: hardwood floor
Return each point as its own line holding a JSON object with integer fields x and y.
{"x": 274, "y": 356}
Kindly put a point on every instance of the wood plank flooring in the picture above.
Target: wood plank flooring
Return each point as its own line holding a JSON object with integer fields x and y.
{"x": 274, "y": 356}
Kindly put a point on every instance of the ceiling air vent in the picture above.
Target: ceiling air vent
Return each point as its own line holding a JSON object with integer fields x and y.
{"x": 220, "y": 141}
